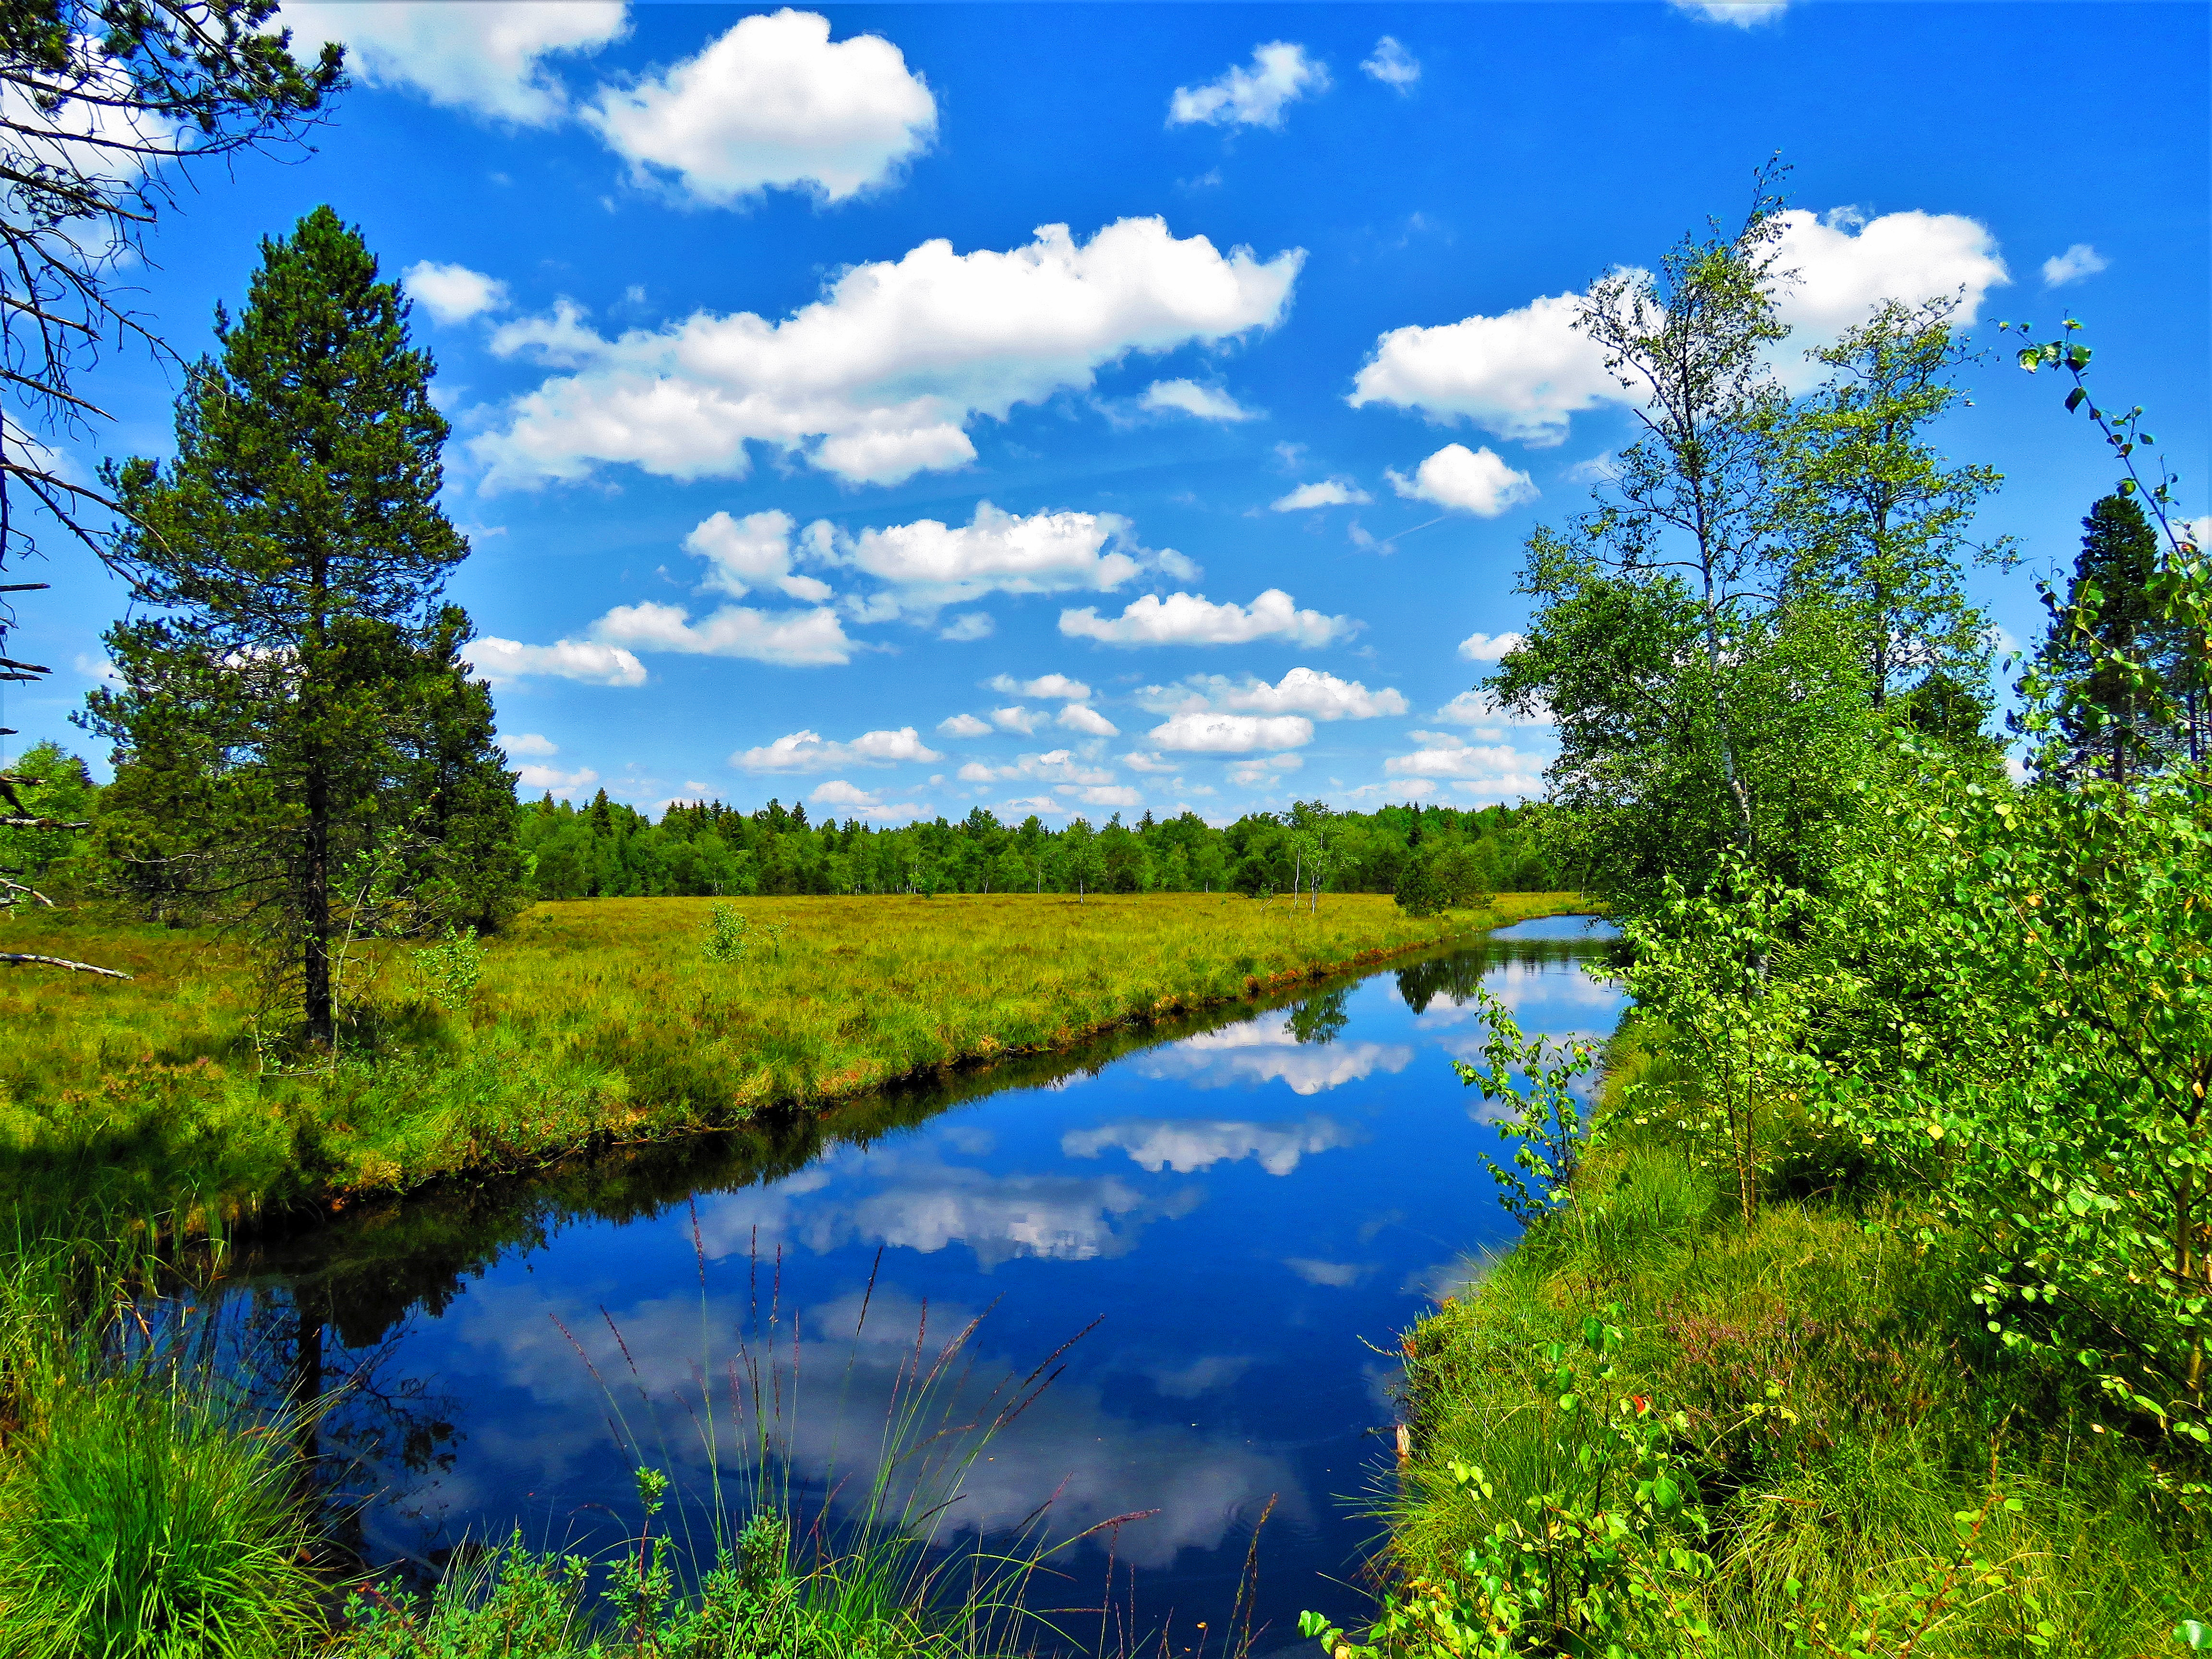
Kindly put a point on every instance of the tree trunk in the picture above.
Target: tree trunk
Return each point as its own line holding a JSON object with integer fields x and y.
{"x": 315, "y": 912}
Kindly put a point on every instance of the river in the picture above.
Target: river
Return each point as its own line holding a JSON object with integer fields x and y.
{"x": 1212, "y": 1232}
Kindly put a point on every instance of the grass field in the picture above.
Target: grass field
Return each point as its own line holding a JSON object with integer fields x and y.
{"x": 595, "y": 1023}
{"x": 1857, "y": 1440}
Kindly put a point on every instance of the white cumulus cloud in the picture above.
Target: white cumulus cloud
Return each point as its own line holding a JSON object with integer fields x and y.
{"x": 773, "y": 104}
{"x": 1057, "y": 767}
{"x": 968, "y": 626}
{"x": 1252, "y": 773}
{"x": 1743, "y": 13}
{"x": 1479, "y": 710}
{"x": 503, "y": 660}
{"x": 1520, "y": 375}
{"x": 793, "y": 638}
{"x": 1081, "y": 717}
{"x": 1110, "y": 794}
{"x": 1472, "y": 480}
{"x": 1847, "y": 265}
{"x": 963, "y": 726}
{"x": 754, "y": 551}
{"x": 1231, "y": 734}
{"x": 1018, "y": 718}
{"x": 1486, "y": 771}
{"x": 807, "y": 752}
{"x": 452, "y": 294}
{"x": 1393, "y": 65}
{"x": 1280, "y": 74}
{"x": 529, "y": 743}
{"x": 1301, "y": 691}
{"x": 551, "y": 779}
{"x": 932, "y": 563}
{"x": 1207, "y": 403}
{"x": 1331, "y": 492}
{"x": 856, "y": 802}
{"x": 1487, "y": 647}
{"x": 487, "y": 57}
{"x": 1192, "y": 619}
{"x": 1525, "y": 373}
{"x": 878, "y": 380}
{"x": 2077, "y": 264}
{"x": 1045, "y": 685}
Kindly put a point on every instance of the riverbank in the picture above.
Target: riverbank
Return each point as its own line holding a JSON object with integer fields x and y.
{"x": 1863, "y": 1469}
{"x": 602, "y": 1023}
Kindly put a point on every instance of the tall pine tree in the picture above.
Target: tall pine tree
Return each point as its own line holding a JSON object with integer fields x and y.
{"x": 298, "y": 747}
{"x": 2115, "y": 726}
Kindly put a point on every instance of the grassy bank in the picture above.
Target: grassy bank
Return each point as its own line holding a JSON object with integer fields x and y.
{"x": 599, "y": 1022}
{"x": 1861, "y": 1469}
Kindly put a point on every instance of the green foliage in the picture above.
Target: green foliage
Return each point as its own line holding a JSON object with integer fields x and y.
{"x": 2018, "y": 1008}
{"x": 1606, "y": 1557}
{"x": 1837, "y": 1398}
{"x": 1875, "y": 520}
{"x": 1542, "y": 1119}
{"x": 517, "y": 1603}
{"x": 1943, "y": 1362}
{"x": 710, "y": 850}
{"x": 1706, "y": 967}
{"x": 451, "y": 968}
{"x": 726, "y": 935}
{"x": 1438, "y": 877}
{"x": 51, "y": 789}
{"x": 138, "y": 1525}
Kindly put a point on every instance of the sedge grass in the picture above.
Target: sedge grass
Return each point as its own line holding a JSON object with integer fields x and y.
{"x": 139, "y": 1518}
{"x": 603, "y": 1022}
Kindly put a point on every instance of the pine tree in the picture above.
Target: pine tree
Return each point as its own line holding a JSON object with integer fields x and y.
{"x": 300, "y": 749}
{"x": 2114, "y": 725}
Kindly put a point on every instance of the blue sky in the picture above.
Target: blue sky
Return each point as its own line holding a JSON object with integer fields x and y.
{"x": 1082, "y": 408}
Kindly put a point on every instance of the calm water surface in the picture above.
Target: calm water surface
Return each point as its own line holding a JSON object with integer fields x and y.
{"x": 1231, "y": 1214}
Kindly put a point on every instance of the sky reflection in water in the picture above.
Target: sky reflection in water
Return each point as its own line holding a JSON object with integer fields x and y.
{"x": 1236, "y": 1209}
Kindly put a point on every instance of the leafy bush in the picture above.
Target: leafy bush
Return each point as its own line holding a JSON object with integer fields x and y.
{"x": 1606, "y": 1556}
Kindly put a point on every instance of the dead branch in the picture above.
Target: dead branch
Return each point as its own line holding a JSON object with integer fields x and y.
{"x": 18, "y": 959}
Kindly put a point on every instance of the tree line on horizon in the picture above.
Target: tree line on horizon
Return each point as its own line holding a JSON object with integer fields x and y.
{"x": 606, "y": 849}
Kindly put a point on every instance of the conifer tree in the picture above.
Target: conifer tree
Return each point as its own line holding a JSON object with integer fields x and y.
{"x": 299, "y": 746}
{"x": 2114, "y": 725}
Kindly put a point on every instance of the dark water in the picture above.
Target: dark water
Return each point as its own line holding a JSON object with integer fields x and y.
{"x": 1240, "y": 1215}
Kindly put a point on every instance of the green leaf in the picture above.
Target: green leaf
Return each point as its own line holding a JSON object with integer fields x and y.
{"x": 2075, "y": 398}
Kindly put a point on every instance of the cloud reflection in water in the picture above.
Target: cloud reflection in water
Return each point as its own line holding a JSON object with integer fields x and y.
{"x": 657, "y": 1361}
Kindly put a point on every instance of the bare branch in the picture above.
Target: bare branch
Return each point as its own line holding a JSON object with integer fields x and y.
{"x": 19, "y": 959}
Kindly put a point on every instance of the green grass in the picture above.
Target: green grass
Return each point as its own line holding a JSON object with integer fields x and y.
{"x": 1843, "y": 1406}
{"x": 140, "y": 1517}
{"x": 599, "y": 1022}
